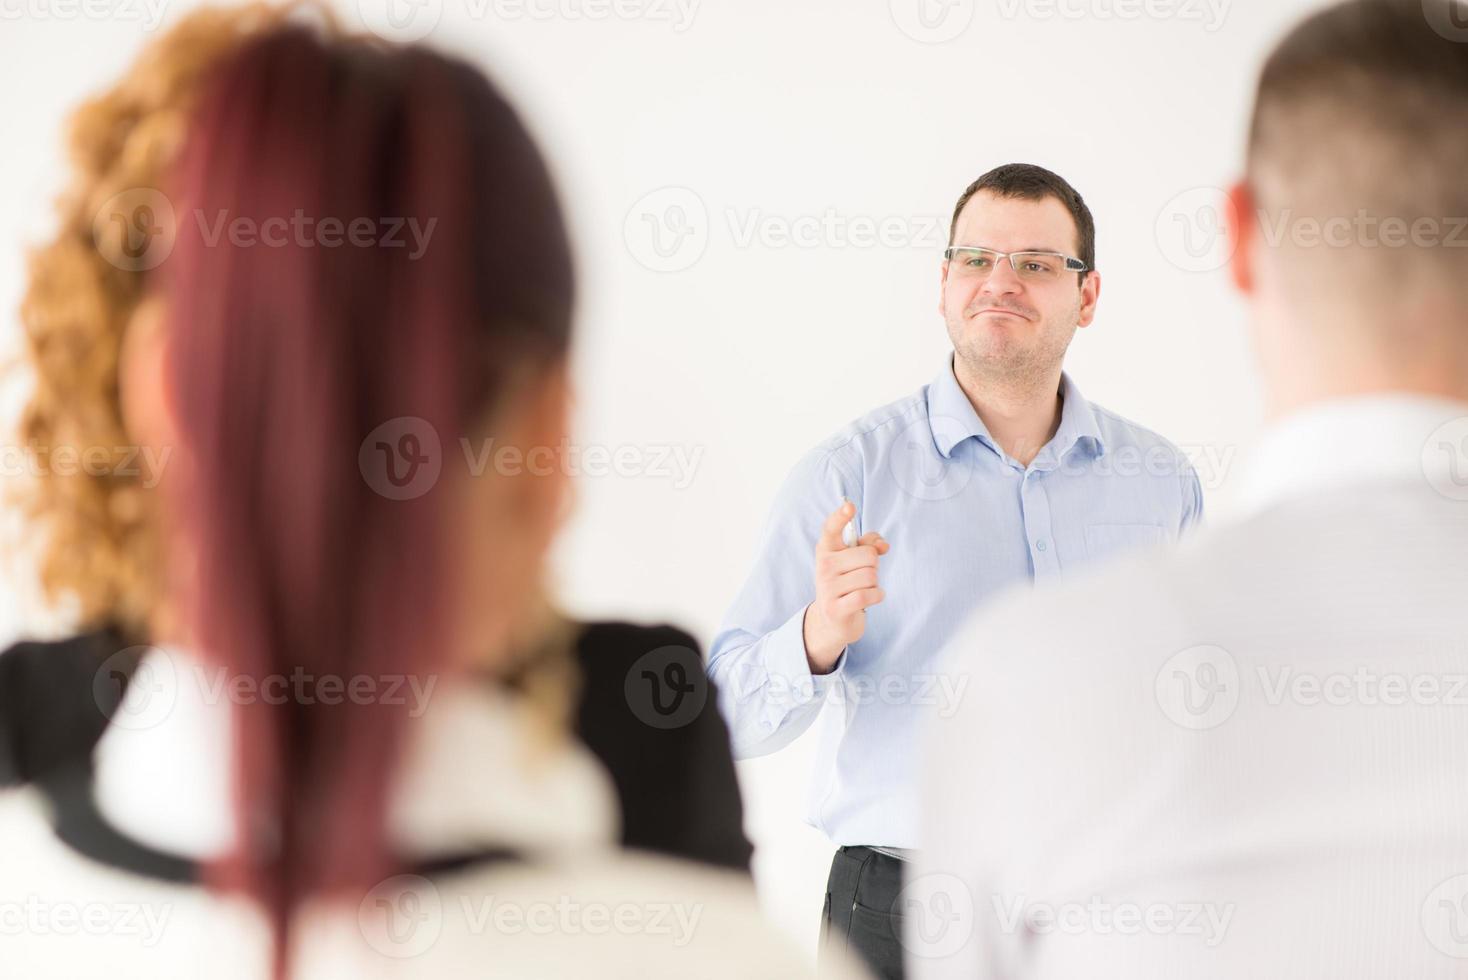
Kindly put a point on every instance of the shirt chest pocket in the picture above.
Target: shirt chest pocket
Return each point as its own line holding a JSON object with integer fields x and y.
{"x": 1108, "y": 540}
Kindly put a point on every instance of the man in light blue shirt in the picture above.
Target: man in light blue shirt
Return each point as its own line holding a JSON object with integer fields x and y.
{"x": 998, "y": 472}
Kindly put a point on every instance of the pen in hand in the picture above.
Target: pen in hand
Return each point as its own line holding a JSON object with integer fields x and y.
{"x": 848, "y": 533}
{"x": 845, "y": 586}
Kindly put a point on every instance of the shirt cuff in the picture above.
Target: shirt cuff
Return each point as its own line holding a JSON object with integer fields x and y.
{"x": 786, "y": 663}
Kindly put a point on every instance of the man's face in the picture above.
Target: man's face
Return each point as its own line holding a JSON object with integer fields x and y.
{"x": 1001, "y": 324}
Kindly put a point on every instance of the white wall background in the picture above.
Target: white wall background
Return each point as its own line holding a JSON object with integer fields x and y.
{"x": 830, "y": 120}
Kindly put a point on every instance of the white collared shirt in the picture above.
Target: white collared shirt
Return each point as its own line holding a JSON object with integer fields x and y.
{"x": 1356, "y": 441}
{"x": 1244, "y": 758}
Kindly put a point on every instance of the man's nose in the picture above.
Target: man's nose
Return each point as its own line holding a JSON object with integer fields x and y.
{"x": 1002, "y": 280}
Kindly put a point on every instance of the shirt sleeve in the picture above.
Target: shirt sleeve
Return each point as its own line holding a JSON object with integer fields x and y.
{"x": 757, "y": 659}
{"x": 1192, "y": 500}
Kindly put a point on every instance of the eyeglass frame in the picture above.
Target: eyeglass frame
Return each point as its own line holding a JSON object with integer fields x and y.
{"x": 1072, "y": 264}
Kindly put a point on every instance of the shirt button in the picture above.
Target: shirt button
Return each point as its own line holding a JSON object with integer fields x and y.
{"x": 1040, "y": 545}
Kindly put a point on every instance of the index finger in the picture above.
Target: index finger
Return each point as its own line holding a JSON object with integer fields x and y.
{"x": 830, "y": 539}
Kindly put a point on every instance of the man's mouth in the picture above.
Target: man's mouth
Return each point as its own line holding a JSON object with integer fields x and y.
{"x": 1001, "y": 311}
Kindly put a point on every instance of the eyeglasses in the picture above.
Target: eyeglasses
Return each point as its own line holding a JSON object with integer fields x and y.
{"x": 973, "y": 262}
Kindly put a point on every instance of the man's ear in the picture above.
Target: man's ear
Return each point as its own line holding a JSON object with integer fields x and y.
{"x": 943, "y": 292}
{"x": 1243, "y": 239}
{"x": 1090, "y": 296}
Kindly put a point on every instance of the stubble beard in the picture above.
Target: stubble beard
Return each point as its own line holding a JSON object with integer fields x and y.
{"x": 1010, "y": 362}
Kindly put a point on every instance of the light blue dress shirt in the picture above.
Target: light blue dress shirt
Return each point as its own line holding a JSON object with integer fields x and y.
{"x": 965, "y": 521}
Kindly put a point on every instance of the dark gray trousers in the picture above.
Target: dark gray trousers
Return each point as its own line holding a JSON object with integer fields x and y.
{"x": 859, "y": 914}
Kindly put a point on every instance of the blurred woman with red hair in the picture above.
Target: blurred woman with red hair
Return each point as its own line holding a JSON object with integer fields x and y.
{"x": 354, "y": 753}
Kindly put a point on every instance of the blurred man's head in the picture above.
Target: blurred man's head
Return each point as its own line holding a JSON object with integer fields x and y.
{"x": 1009, "y": 324}
{"x": 1352, "y": 225}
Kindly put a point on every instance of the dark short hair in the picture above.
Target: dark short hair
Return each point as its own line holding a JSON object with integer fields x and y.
{"x": 1364, "y": 106}
{"x": 1031, "y": 183}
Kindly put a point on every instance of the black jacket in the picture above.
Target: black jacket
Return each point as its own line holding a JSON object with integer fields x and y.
{"x": 647, "y": 710}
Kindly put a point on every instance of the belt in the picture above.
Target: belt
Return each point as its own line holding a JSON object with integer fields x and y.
{"x": 900, "y": 853}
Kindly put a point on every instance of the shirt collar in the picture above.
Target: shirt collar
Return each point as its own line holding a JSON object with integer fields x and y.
{"x": 1078, "y": 425}
{"x": 953, "y": 419}
{"x": 476, "y": 771}
{"x": 1350, "y": 441}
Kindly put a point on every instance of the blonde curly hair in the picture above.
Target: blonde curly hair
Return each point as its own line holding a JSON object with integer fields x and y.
{"x": 99, "y": 547}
